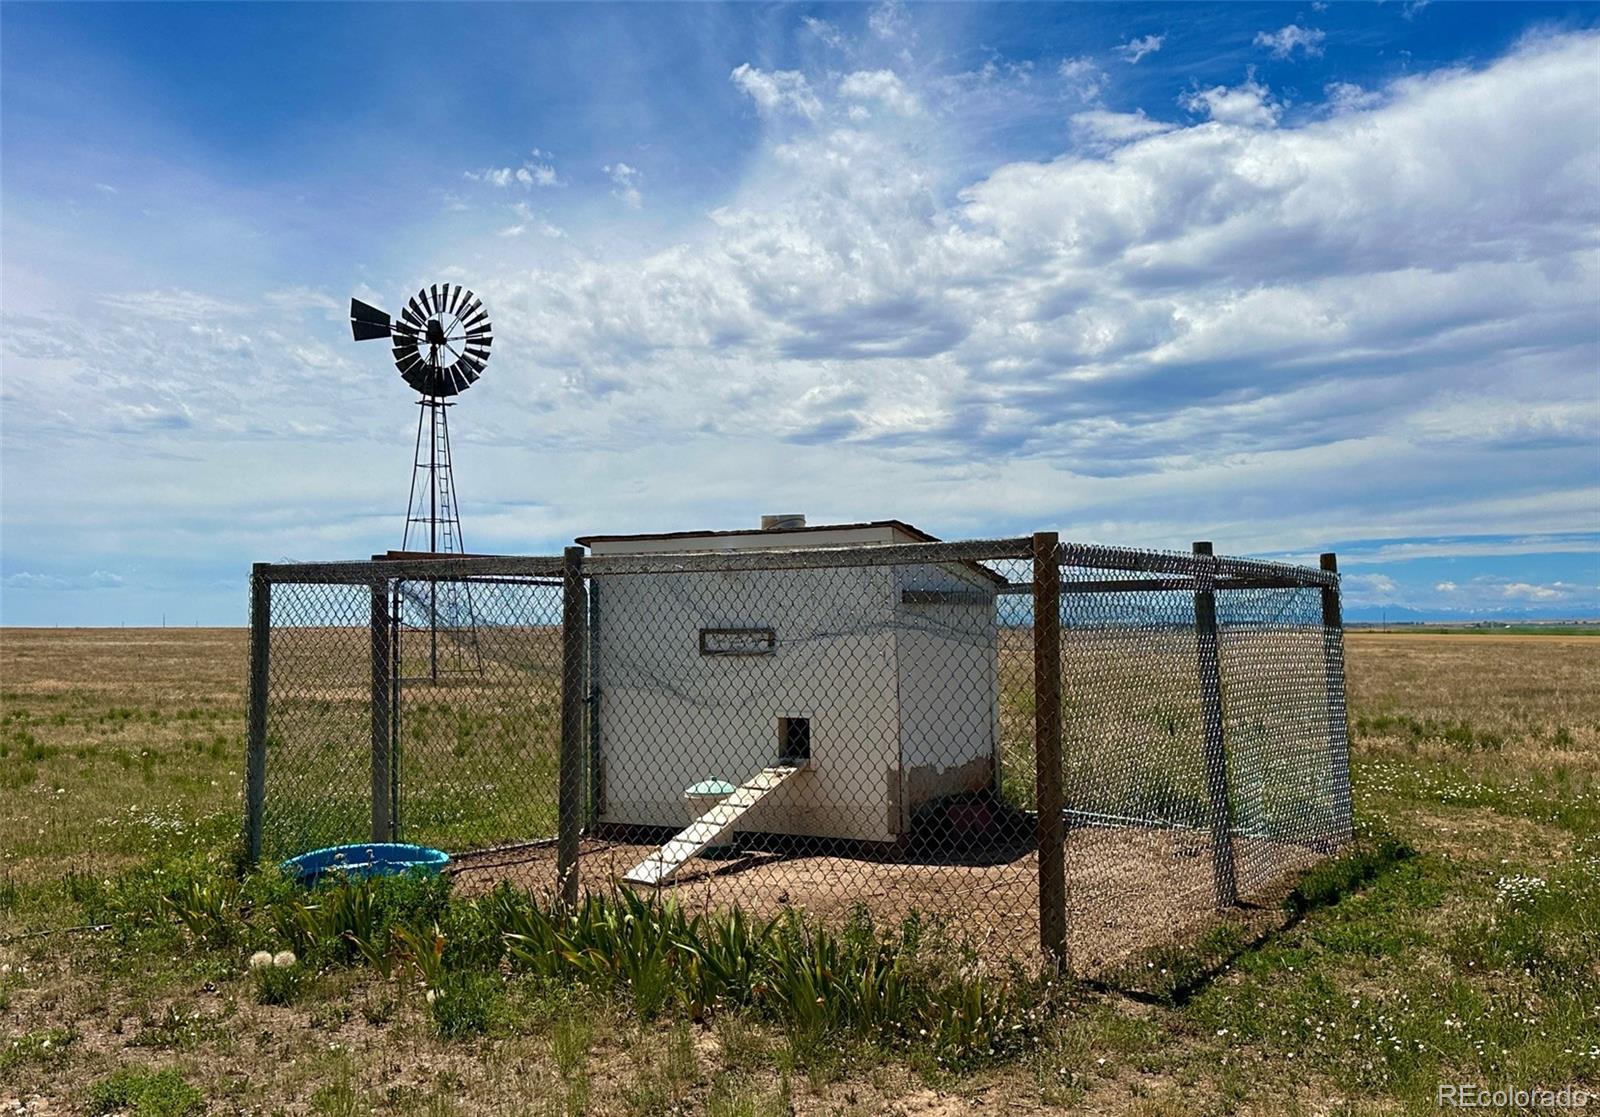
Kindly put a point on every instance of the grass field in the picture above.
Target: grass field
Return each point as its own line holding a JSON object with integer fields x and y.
{"x": 1477, "y": 959}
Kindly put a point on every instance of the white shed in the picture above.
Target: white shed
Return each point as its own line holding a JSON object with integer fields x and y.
{"x": 879, "y": 683}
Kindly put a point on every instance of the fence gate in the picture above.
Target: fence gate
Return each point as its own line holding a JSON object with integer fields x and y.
{"x": 406, "y": 700}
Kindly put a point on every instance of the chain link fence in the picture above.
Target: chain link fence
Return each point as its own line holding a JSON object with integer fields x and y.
{"x": 1086, "y": 749}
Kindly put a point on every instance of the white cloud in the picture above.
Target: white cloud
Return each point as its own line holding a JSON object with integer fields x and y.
{"x": 95, "y": 580}
{"x": 1344, "y": 96}
{"x": 626, "y": 181}
{"x": 1365, "y": 589}
{"x": 494, "y": 176}
{"x": 1135, "y": 49}
{"x": 824, "y": 30}
{"x": 1083, "y": 78}
{"x": 1098, "y": 126}
{"x": 1446, "y": 587}
{"x": 1573, "y": 543}
{"x": 881, "y": 86}
{"x": 1527, "y": 591}
{"x": 528, "y": 220}
{"x": 1249, "y": 104}
{"x": 888, "y": 20}
{"x": 776, "y": 90}
{"x": 1284, "y": 41}
{"x": 537, "y": 172}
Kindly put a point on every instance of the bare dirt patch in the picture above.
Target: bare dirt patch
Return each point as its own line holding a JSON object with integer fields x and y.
{"x": 1127, "y": 888}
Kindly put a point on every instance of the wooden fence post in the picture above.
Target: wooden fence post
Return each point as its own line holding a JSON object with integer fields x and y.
{"x": 382, "y": 754}
{"x": 571, "y": 776}
{"x": 1047, "y": 743}
{"x": 256, "y": 734}
{"x": 1333, "y": 682}
{"x": 1215, "y": 744}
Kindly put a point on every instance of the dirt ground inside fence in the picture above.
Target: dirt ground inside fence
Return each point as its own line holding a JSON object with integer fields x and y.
{"x": 1128, "y": 889}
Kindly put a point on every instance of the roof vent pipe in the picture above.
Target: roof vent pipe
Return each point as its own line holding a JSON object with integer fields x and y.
{"x": 789, "y": 521}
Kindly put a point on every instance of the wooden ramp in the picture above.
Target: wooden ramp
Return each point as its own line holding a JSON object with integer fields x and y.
{"x": 710, "y": 828}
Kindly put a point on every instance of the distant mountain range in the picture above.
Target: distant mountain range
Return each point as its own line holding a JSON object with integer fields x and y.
{"x": 1401, "y": 614}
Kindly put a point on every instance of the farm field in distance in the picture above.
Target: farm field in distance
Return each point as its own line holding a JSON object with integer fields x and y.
{"x": 1476, "y": 959}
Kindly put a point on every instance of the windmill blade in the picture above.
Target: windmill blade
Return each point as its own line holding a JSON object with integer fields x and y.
{"x": 437, "y": 304}
{"x": 422, "y": 376}
{"x": 455, "y": 299}
{"x": 418, "y": 314}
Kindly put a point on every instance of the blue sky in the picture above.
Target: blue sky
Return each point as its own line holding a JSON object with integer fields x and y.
{"x": 1287, "y": 277}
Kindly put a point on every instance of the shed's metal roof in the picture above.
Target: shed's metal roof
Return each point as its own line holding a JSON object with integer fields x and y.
{"x": 912, "y": 530}
{"x": 915, "y": 532}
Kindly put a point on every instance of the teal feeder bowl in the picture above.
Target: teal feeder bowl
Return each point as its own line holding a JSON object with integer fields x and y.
{"x": 700, "y": 798}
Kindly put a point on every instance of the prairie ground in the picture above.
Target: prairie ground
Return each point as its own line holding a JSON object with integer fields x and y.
{"x": 1476, "y": 959}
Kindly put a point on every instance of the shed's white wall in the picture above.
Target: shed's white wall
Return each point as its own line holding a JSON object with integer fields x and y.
{"x": 670, "y": 717}
{"x": 949, "y": 682}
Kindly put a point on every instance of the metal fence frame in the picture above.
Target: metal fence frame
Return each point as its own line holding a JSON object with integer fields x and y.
{"x": 1200, "y": 573}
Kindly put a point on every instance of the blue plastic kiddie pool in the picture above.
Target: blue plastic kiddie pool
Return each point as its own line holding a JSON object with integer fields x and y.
{"x": 368, "y": 859}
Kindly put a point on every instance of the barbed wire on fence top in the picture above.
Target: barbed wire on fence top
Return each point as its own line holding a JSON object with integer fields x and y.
{"x": 834, "y": 730}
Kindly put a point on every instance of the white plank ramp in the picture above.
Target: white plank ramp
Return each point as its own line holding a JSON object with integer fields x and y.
{"x": 709, "y": 828}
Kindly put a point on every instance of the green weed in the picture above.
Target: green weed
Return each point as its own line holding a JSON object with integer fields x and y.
{"x": 140, "y": 1093}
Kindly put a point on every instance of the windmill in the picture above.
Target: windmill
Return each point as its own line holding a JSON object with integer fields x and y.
{"x": 441, "y": 345}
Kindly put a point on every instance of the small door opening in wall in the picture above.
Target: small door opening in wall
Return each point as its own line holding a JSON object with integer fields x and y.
{"x": 794, "y": 739}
